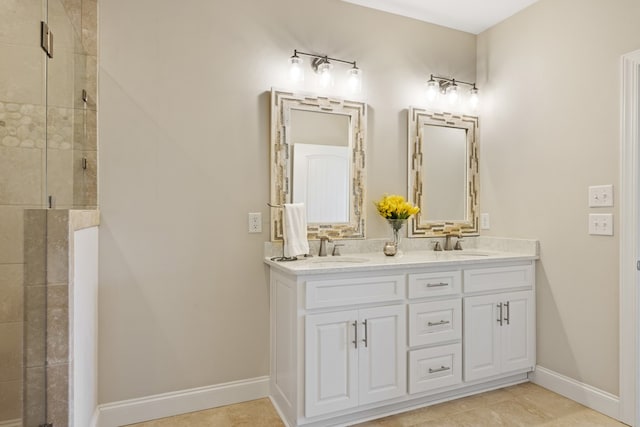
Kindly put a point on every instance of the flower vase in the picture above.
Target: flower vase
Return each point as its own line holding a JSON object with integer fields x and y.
{"x": 392, "y": 247}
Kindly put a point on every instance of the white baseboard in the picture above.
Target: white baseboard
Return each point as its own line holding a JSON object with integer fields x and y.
{"x": 584, "y": 394}
{"x": 95, "y": 418}
{"x": 11, "y": 423}
{"x": 180, "y": 402}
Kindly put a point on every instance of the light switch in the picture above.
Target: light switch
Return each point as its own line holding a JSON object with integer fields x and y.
{"x": 600, "y": 195}
{"x": 601, "y": 224}
{"x": 485, "y": 224}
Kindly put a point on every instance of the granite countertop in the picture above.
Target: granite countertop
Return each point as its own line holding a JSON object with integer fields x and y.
{"x": 377, "y": 261}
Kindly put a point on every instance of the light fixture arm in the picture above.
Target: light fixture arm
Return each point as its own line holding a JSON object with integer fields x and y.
{"x": 323, "y": 58}
{"x": 447, "y": 81}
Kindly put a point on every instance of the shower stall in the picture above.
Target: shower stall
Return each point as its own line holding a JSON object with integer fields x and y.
{"x": 48, "y": 189}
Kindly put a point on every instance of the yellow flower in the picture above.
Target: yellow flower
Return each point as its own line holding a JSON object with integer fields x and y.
{"x": 395, "y": 207}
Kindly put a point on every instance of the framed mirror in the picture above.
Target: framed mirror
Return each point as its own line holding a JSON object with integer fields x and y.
{"x": 443, "y": 175}
{"x": 318, "y": 158}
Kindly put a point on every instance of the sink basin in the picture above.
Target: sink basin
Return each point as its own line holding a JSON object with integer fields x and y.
{"x": 338, "y": 260}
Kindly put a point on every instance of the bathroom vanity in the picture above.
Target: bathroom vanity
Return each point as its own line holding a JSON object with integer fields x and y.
{"x": 361, "y": 336}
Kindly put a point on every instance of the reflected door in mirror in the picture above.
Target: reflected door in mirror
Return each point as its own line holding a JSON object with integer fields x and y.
{"x": 321, "y": 182}
{"x": 321, "y": 177}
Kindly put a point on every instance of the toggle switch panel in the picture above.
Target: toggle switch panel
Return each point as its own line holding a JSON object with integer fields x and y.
{"x": 601, "y": 224}
{"x": 600, "y": 195}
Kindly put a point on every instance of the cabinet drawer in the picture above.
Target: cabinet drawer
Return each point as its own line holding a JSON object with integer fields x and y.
{"x": 341, "y": 292}
{"x": 434, "y": 322}
{"x": 434, "y": 284}
{"x": 434, "y": 368}
{"x": 498, "y": 278}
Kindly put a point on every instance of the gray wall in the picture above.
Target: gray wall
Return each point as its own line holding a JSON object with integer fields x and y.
{"x": 184, "y": 138}
{"x": 550, "y": 128}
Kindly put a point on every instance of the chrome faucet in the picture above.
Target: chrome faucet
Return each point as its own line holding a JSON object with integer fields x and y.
{"x": 323, "y": 246}
{"x": 336, "y": 249}
{"x": 448, "y": 246}
{"x": 447, "y": 243}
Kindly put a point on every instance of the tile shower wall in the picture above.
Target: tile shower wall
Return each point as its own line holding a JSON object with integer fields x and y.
{"x": 71, "y": 121}
{"x": 30, "y": 170}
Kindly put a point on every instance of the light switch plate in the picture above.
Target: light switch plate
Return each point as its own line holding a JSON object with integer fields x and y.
{"x": 255, "y": 222}
{"x": 485, "y": 223}
{"x": 601, "y": 224}
{"x": 600, "y": 196}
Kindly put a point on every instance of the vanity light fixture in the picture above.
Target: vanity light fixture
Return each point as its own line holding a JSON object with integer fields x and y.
{"x": 450, "y": 88}
{"x": 323, "y": 65}
{"x": 296, "y": 73}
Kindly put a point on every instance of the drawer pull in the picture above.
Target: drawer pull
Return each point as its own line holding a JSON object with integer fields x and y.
{"x": 355, "y": 328}
{"x": 508, "y": 318}
{"x": 437, "y": 285}
{"x": 442, "y": 322}
{"x": 366, "y": 334}
{"x": 500, "y": 315}
{"x": 440, "y": 369}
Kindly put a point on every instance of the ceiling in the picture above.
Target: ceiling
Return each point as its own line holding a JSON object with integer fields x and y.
{"x": 471, "y": 16}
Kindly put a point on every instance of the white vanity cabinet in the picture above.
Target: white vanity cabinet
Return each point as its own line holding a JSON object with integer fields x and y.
{"x": 499, "y": 326}
{"x": 354, "y": 358}
{"x": 350, "y": 343}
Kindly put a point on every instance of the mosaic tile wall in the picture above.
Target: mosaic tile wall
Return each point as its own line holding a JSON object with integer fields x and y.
{"x": 29, "y": 171}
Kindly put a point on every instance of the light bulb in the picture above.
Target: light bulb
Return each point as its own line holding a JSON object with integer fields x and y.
{"x": 296, "y": 73}
{"x": 473, "y": 97}
{"x": 432, "y": 90}
{"x": 452, "y": 93}
{"x": 324, "y": 69}
{"x": 354, "y": 79}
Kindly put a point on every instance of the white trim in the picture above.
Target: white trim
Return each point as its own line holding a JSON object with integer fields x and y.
{"x": 280, "y": 413}
{"x": 584, "y": 394}
{"x": 95, "y": 419}
{"x": 180, "y": 402}
{"x": 629, "y": 240}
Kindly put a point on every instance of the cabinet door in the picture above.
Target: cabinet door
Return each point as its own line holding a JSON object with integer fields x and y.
{"x": 518, "y": 331}
{"x": 382, "y": 353}
{"x": 331, "y": 370}
{"x": 481, "y": 337}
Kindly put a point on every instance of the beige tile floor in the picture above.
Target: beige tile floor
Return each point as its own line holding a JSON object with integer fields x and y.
{"x": 521, "y": 405}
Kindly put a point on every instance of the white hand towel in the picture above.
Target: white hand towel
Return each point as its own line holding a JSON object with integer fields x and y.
{"x": 295, "y": 230}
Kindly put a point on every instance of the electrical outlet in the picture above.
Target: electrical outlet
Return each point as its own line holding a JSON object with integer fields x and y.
{"x": 485, "y": 224}
{"x": 255, "y": 222}
{"x": 601, "y": 224}
{"x": 600, "y": 195}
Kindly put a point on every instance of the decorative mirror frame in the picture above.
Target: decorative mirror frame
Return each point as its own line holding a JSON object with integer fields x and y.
{"x": 281, "y": 161}
{"x": 417, "y": 119}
